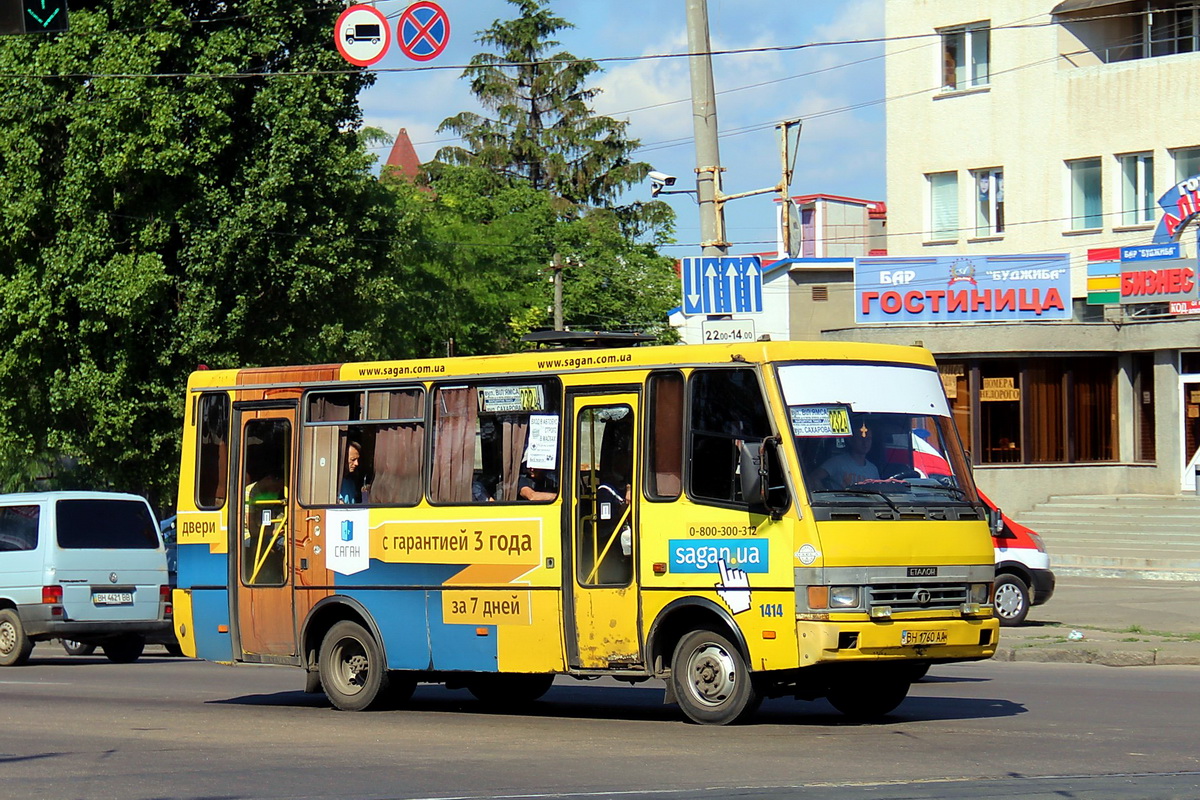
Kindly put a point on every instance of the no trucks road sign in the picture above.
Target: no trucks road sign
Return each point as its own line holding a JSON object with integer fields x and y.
{"x": 362, "y": 35}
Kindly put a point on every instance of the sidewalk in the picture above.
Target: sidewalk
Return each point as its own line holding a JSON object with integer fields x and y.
{"x": 1122, "y": 622}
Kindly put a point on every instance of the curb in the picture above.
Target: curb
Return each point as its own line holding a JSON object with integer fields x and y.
{"x": 1107, "y": 658}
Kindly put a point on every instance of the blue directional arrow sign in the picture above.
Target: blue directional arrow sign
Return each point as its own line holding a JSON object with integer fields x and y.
{"x": 724, "y": 285}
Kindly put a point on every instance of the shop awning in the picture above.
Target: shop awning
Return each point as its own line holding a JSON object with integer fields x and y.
{"x": 1067, "y": 6}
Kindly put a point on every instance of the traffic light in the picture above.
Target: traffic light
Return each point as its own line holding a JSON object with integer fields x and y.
{"x": 33, "y": 16}
{"x": 45, "y": 15}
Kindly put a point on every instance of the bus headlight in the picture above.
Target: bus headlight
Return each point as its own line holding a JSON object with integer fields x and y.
{"x": 979, "y": 593}
{"x": 843, "y": 597}
{"x": 820, "y": 597}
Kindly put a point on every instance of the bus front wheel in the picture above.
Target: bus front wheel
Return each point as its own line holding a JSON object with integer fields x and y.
{"x": 711, "y": 682}
{"x": 352, "y": 668}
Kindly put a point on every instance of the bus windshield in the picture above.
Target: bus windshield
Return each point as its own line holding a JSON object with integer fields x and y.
{"x": 875, "y": 435}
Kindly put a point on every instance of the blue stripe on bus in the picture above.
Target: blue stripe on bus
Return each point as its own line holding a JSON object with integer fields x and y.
{"x": 210, "y": 608}
{"x": 199, "y": 566}
{"x": 460, "y": 647}
{"x": 414, "y": 636}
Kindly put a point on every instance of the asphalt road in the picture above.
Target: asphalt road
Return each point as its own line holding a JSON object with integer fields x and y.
{"x": 171, "y": 728}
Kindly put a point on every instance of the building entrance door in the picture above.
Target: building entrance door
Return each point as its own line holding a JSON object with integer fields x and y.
{"x": 1190, "y": 438}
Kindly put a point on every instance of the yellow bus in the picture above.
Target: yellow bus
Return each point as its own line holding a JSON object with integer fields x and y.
{"x": 741, "y": 521}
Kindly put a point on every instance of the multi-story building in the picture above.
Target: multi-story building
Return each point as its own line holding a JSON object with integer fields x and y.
{"x": 1029, "y": 128}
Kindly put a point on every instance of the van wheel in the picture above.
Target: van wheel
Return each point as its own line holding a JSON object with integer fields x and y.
{"x": 352, "y": 668}
{"x": 75, "y": 648}
{"x": 868, "y": 699}
{"x": 124, "y": 649}
{"x": 1011, "y": 600}
{"x": 15, "y": 646}
{"x": 711, "y": 682}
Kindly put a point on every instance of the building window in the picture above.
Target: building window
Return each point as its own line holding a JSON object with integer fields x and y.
{"x": 965, "y": 57}
{"x": 1143, "y": 400}
{"x": 989, "y": 202}
{"x": 1137, "y": 188}
{"x": 820, "y": 294}
{"x": 1085, "y": 194}
{"x": 943, "y": 206}
{"x": 1170, "y": 28}
{"x": 1187, "y": 163}
{"x": 1043, "y": 410}
{"x": 1155, "y": 28}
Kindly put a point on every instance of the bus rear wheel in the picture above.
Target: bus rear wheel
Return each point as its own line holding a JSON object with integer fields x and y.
{"x": 353, "y": 672}
{"x": 711, "y": 682}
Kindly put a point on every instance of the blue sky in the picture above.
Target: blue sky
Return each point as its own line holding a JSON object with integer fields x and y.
{"x": 841, "y": 147}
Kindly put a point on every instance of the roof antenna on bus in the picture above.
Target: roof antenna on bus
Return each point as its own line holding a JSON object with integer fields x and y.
{"x": 738, "y": 357}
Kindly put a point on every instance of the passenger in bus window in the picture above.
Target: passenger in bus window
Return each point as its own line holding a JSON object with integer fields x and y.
{"x": 350, "y": 491}
{"x": 537, "y": 485}
{"x": 850, "y": 466}
{"x": 479, "y": 491}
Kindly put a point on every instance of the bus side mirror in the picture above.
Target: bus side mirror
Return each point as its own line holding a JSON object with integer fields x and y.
{"x": 759, "y": 468}
{"x": 995, "y": 521}
{"x": 750, "y": 472}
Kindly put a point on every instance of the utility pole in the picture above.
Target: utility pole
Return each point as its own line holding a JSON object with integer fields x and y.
{"x": 704, "y": 126}
{"x": 708, "y": 157}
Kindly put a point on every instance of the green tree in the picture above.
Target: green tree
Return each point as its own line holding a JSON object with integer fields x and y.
{"x": 183, "y": 184}
{"x": 544, "y": 134}
{"x": 544, "y": 130}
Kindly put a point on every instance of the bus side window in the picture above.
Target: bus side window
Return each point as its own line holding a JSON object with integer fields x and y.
{"x": 212, "y": 451}
{"x": 664, "y": 478}
{"x": 393, "y": 474}
{"x": 324, "y": 446}
{"x": 482, "y": 435}
{"x": 727, "y": 409}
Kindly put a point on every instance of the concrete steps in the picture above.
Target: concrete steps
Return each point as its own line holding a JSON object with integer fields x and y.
{"x": 1154, "y": 537}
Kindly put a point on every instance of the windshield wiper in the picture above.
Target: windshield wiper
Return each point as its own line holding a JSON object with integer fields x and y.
{"x": 956, "y": 491}
{"x": 849, "y": 490}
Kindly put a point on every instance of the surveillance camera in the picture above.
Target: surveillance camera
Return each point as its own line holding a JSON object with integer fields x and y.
{"x": 663, "y": 178}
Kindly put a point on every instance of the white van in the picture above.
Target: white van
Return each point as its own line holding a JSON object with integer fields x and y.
{"x": 85, "y": 566}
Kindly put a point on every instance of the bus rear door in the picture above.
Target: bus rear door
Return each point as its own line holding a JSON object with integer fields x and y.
{"x": 602, "y": 608}
{"x": 262, "y": 531}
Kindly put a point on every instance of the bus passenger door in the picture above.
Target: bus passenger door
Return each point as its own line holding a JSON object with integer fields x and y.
{"x": 602, "y": 612}
{"x": 265, "y": 518}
